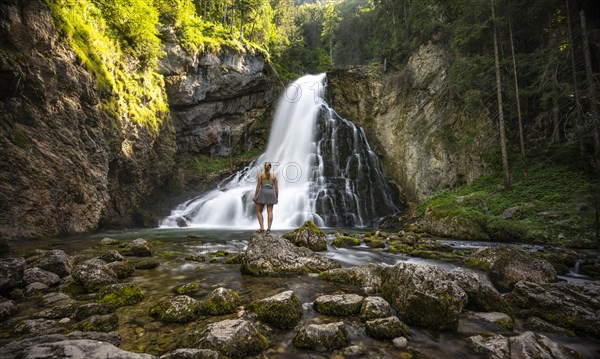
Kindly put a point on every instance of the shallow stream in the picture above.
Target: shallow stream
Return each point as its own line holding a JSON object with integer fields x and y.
{"x": 140, "y": 333}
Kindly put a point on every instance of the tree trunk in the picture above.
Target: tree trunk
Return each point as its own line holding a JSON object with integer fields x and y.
{"x": 591, "y": 89}
{"x": 519, "y": 114}
{"x": 578, "y": 110}
{"x": 555, "y": 119}
{"x": 505, "y": 168}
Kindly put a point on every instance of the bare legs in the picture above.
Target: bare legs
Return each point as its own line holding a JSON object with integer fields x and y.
{"x": 269, "y": 216}
{"x": 259, "y": 209}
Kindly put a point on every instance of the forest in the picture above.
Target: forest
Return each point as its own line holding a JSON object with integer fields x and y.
{"x": 548, "y": 50}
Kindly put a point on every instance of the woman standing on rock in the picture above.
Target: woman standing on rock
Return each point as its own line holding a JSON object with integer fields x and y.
{"x": 266, "y": 193}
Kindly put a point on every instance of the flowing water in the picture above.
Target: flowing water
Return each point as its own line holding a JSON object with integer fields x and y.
{"x": 141, "y": 333}
{"x": 326, "y": 171}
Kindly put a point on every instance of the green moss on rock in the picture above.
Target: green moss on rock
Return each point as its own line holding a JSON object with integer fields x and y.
{"x": 188, "y": 288}
{"x": 283, "y": 310}
{"x": 221, "y": 301}
{"x": 119, "y": 295}
{"x": 341, "y": 241}
{"x": 99, "y": 323}
{"x": 180, "y": 309}
{"x": 219, "y": 253}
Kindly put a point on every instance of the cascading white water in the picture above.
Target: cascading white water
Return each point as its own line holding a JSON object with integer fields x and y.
{"x": 326, "y": 172}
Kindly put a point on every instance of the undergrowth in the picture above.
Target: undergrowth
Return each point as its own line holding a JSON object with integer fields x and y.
{"x": 555, "y": 205}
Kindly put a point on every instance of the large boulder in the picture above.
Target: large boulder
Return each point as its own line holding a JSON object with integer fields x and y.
{"x": 526, "y": 345}
{"x": 386, "y": 328}
{"x": 81, "y": 348}
{"x": 283, "y": 310}
{"x": 221, "y": 301}
{"x": 322, "y": 336}
{"x": 339, "y": 304}
{"x": 138, "y": 248}
{"x": 93, "y": 274}
{"x": 55, "y": 261}
{"x": 15, "y": 348}
{"x": 36, "y": 274}
{"x": 274, "y": 255}
{"x": 235, "y": 338}
{"x": 481, "y": 294}
{"x": 180, "y": 309}
{"x": 368, "y": 276}
{"x": 574, "y": 306}
{"x": 11, "y": 273}
{"x": 506, "y": 266}
{"x": 309, "y": 236}
{"x": 423, "y": 295}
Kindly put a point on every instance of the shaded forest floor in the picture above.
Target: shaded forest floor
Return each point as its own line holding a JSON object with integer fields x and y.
{"x": 557, "y": 204}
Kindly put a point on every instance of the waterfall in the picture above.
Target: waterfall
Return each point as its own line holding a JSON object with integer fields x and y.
{"x": 326, "y": 171}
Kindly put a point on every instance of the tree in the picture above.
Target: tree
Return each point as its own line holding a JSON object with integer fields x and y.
{"x": 505, "y": 168}
{"x": 519, "y": 115}
{"x": 591, "y": 88}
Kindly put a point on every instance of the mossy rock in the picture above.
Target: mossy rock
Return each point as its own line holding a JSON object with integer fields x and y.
{"x": 345, "y": 241}
{"x": 147, "y": 264}
{"x": 119, "y": 295}
{"x": 122, "y": 269}
{"x": 196, "y": 258}
{"x": 181, "y": 309}
{"x": 166, "y": 254}
{"x": 219, "y": 253}
{"x": 375, "y": 242}
{"x": 322, "y": 336}
{"x": 90, "y": 309}
{"x": 72, "y": 287}
{"x": 339, "y": 305}
{"x": 309, "y": 236}
{"x": 503, "y": 230}
{"x": 234, "y": 259}
{"x": 386, "y": 328}
{"x": 221, "y": 301}
{"x": 99, "y": 323}
{"x": 283, "y": 310}
{"x": 233, "y": 338}
{"x": 188, "y": 288}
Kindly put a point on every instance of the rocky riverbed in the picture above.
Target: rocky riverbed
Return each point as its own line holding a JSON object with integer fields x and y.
{"x": 211, "y": 294}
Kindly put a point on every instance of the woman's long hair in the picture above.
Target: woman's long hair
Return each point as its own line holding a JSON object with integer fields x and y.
{"x": 268, "y": 170}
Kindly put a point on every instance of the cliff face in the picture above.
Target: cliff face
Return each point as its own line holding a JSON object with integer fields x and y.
{"x": 425, "y": 142}
{"x": 67, "y": 165}
{"x": 216, "y": 98}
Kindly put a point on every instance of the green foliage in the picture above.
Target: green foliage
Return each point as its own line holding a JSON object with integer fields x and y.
{"x": 117, "y": 41}
{"x": 550, "y": 207}
{"x": 201, "y": 165}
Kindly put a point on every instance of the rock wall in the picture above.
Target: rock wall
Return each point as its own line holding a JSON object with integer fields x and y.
{"x": 216, "y": 99}
{"x": 425, "y": 142}
{"x": 68, "y": 166}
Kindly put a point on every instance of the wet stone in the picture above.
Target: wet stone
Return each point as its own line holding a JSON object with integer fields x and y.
{"x": 339, "y": 305}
